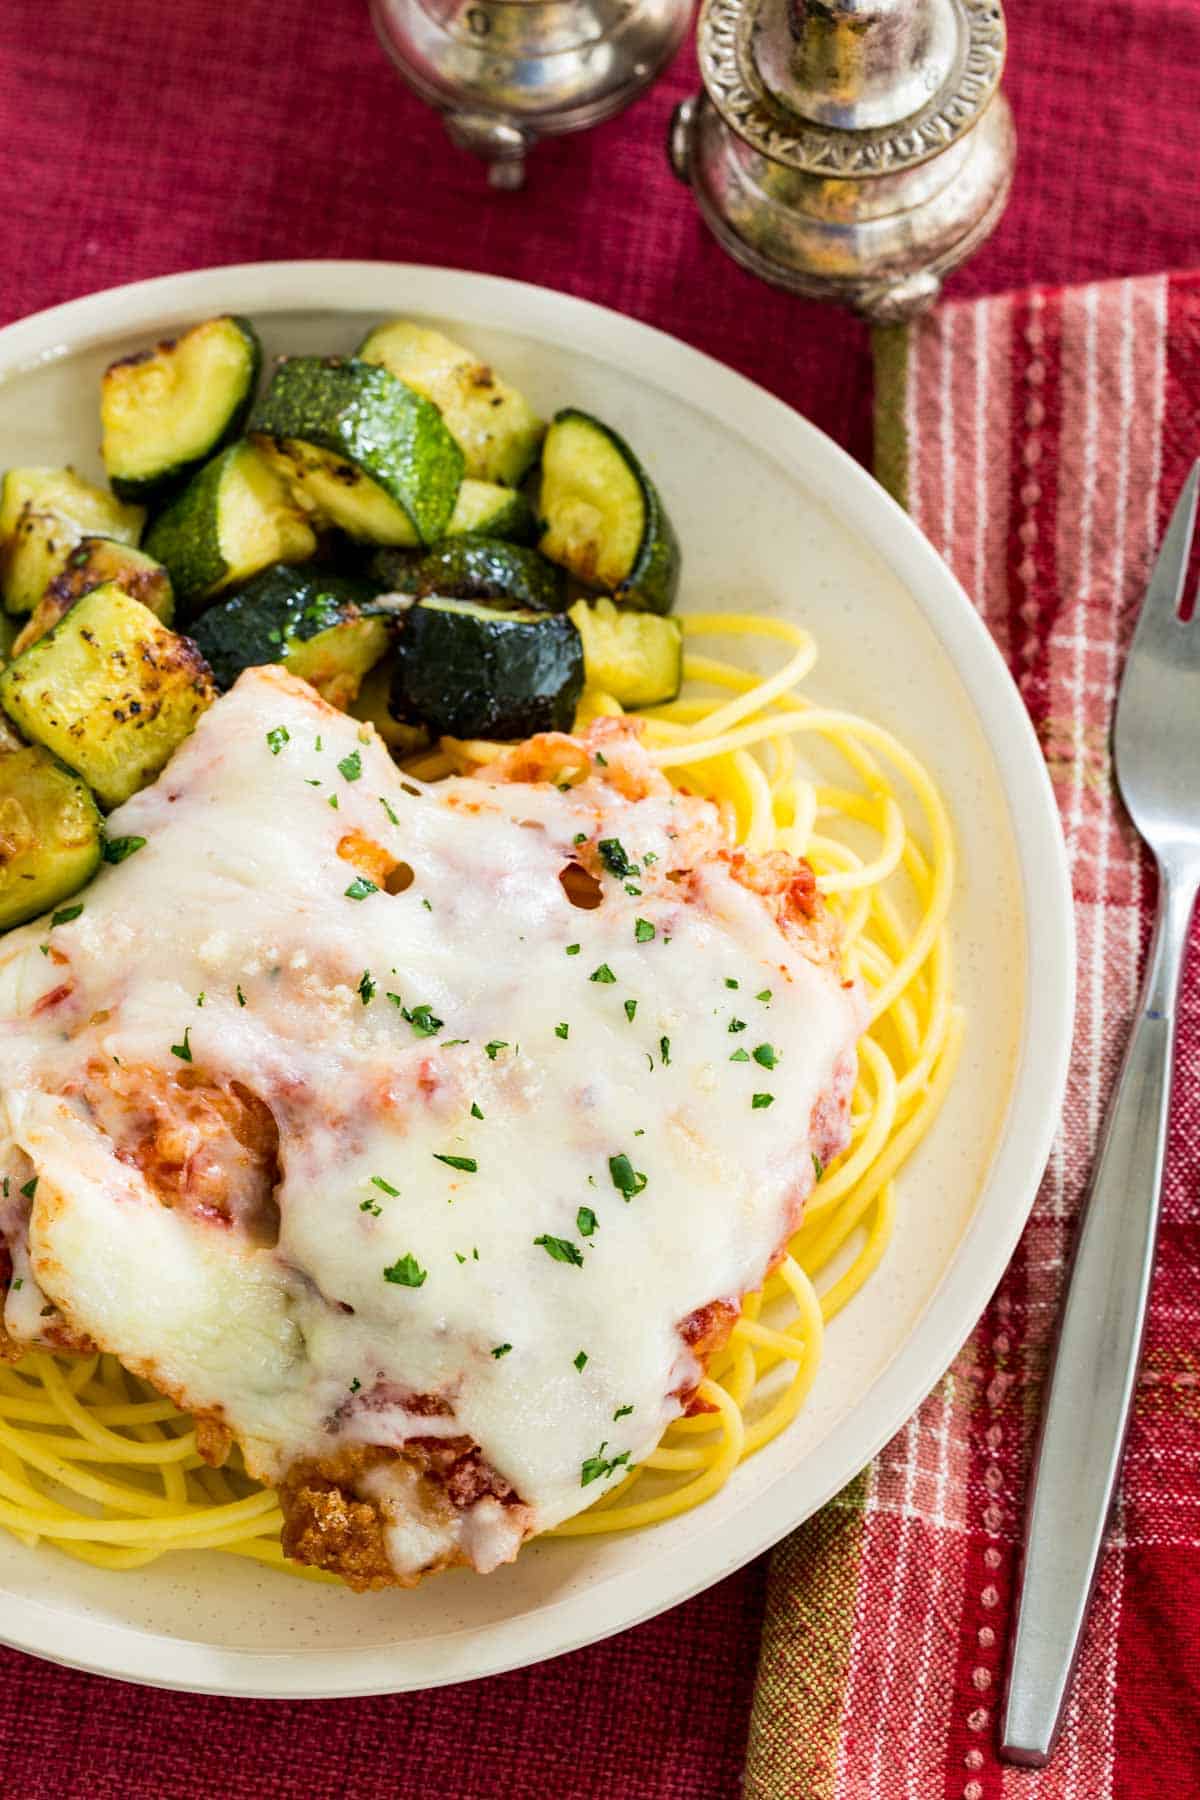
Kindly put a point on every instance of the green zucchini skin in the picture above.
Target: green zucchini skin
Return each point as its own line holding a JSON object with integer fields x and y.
{"x": 651, "y": 579}
{"x": 466, "y": 670}
{"x": 210, "y": 373}
{"x": 231, "y": 520}
{"x": 94, "y": 561}
{"x": 51, "y": 842}
{"x": 475, "y": 568}
{"x": 361, "y": 413}
{"x": 314, "y": 622}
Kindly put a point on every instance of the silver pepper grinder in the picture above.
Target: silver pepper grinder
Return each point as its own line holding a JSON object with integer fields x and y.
{"x": 507, "y": 72}
{"x": 849, "y": 150}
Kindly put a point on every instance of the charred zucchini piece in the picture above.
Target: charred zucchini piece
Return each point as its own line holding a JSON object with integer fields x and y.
{"x": 494, "y": 426}
{"x": 360, "y": 448}
{"x": 166, "y": 411}
{"x": 371, "y": 706}
{"x": 496, "y": 512}
{"x": 315, "y": 623}
{"x": 49, "y": 834}
{"x": 94, "y": 561}
{"x": 110, "y": 690}
{"x": 603, "y": 517}
{"x": 467, "y": 670}
{"x": 43, "y": 515}
{"x": 475, "y": 568}
{"x": 231, "y": 520}
{"x": 636, "y": 657}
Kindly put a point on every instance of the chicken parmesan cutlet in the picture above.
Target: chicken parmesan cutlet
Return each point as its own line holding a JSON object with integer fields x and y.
{"x": 422, "y": 1140}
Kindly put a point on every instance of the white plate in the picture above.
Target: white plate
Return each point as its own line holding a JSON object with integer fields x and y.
{"x": 772, "y": 515}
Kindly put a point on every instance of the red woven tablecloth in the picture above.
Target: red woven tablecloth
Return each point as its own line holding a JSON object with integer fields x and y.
{"x": 142, "y": 137}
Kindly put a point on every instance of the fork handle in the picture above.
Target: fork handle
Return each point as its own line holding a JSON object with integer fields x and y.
{"x": 1094, "y": 1372}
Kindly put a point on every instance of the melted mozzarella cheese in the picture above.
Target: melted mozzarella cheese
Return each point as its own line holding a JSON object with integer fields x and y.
{"x": 437, "y": 1182}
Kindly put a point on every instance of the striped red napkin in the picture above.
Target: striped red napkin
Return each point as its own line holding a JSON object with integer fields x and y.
{"x": 1039, "y": 440}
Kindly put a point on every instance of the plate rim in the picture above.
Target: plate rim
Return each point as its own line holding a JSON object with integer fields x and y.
{"x": 130, "y": 1653}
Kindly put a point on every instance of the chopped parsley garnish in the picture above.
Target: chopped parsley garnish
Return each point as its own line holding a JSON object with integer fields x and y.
{"x": 200, "y": 999}
{"x": 18, "y": 1284}
{"x": 664, "y": 1050}
{"x": 117, "y": 849}
{"x": 241, "y": 998}
{"x": 585, "y": 1221}
{"x": 388, "y": 810}
{"x": 740, "y": 1056}
{"x": 596, "y": 1467}
{"x": 625, "y": 1178}
{"x": 501, "y": 1350}
{"x": 366, "y": 988}
{"x": 602, "y": 759}
{"x": 766, "y": 1055}
{"x": 311, "y": 781}
{"x": 30, "y": 1187}
{"x": 423, "y": 1019}
{"x": 492, "y": 1050}
{"x": 562, "y": 1030}
{"x": 355, "y": 1385}
{"x": 573, "y": 949}
{"x": 643, "y": 931}
{"x": 622, "y": 1412}
{"x": 475, "y": 1112}
{"x": 467, "y": 1164}
{"x": 406, "y": 1271}
{"x": 458, "y": 1258}
{"x": 764, "y": 994}
{"x": 649, "y": 856}
{"x": 818, "y": 1167}
{"x": 318, "y": 745}
{"x": 333, "y": 801}
{"x": 370, "y": 1206}
{"x": 183, "y": 1051}
{"x": 580, "y": 837}
{"x": 737, "y": 1024}
{"x": 360, "y": 887}
{"x": 631, "y": 889}
{"x": 277, "y": 737}
{"x": 561, "y": 1249}
{"x": 731, "y": 983}
{"x": 614, "y": 858}
{"x": 385, "y": 1187}
{"x": 449, "y": 1043}
{"x": 761, "y": 1100}
{"x": 603, "y": 973}
{"x": 581, "y": 1361}
{"x": 351, "y": 766}
{"x": 630, "y": 1010}
{"x": 427, "y": 904}
{"x": 65, "y": 914}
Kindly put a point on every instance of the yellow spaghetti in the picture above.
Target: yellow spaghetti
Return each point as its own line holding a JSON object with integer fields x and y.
{"x": 97, "y": 1463}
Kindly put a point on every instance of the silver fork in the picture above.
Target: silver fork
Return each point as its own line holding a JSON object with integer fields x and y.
{"x": 1156, "y": 749}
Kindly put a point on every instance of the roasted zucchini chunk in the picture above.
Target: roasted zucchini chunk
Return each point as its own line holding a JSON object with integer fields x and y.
{"x": 475, "y": 568}
{"x": 497, "y": 512}
{"x": 360, "y": 449}
{"x": 315, "y": 623}
{"x": 50, "y": 836}
{"x": 494, "y": 426}
{"x": 43, "y": 515}
{"x": 636, "y": 657}
{"x": 94, "y": 561}
{"x": 371, "y": 706}
{"x": 166, "y": 411}
{"x": 110, "y": 691}
{"x": 232, "y": 519}
{"x": 466, "y": 670}
{"x": 604, "y": 520}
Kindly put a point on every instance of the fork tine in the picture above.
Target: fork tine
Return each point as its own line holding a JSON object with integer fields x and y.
{"x": 1159, "y": 617}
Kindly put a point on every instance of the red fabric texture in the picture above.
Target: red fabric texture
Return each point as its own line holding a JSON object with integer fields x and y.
{"x": 142, "y": 138}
